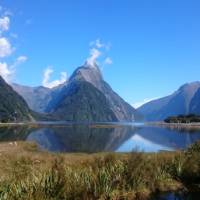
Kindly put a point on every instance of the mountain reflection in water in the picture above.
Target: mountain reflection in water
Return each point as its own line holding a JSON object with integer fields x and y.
{"x": 102, "y": 138}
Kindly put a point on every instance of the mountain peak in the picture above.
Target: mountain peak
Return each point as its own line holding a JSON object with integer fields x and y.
{"x": 190, "y": 86}
{"x": 91, "y": 65}
{"x": 89, "y": 73}
{"x": 85, "y": 96}
{"x": 175, "y": 104}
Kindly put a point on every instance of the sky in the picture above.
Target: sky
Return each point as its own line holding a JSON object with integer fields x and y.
{"x": 146, "y": 49}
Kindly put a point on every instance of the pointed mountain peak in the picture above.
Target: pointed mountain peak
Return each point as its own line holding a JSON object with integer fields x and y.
{"x": 190, "y": 86}
{"x": 92, "y": 66}
{"x": 88, "y": 72}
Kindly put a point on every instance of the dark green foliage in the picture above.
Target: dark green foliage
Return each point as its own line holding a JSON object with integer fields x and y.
{"x": 14, "y": 133}
{"x": 183, "y": 119}
{"x": 195, "y": 148}
{"x": 13, "y": 108}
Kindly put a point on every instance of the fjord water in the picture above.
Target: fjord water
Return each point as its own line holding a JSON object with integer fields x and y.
{"x": 176, "y": 196}
{"x": 91, "y": 138}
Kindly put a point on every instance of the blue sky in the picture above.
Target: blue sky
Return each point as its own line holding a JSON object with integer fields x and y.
{"x": 154, "y": 45}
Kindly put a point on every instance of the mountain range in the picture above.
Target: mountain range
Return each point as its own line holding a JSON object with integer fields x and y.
{"x": 84, "y": 97}
{"x": 186, "y": 100}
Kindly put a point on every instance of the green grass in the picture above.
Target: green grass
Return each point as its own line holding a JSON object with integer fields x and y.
{"x": 26, "y": 173}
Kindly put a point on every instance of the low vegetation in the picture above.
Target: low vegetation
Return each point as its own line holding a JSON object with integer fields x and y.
{"x": 183, "y": 119}
{"x": 26, "y": 173}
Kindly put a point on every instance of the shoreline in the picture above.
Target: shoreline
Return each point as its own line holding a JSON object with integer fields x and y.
{"x": 194, "y": 124}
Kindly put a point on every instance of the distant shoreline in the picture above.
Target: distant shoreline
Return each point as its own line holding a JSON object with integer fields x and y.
{"x": 68, "y": 123}
{"x": 158, "y": 123}
{"x": 175, "y": 125}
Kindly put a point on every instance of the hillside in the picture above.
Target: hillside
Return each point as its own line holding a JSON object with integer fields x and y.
{"x": 13, "y": 107}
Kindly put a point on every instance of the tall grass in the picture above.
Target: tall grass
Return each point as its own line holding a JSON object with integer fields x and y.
{"x": 102, "y": 176}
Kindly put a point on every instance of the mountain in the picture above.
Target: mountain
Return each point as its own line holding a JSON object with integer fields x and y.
{"x": 83, "y": 102}
{"x": 12, "y": 106}
{"x": 195, "y": 103}
{"x": 91, "y": 74}
{"x": 122, "y": 110}
{"x": 175, "y": 104}
{"x": 37, "y": 98}
{"x": 84, "y": 96}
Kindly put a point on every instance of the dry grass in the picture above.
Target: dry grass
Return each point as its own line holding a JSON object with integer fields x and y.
{"x": 26, "y": 173}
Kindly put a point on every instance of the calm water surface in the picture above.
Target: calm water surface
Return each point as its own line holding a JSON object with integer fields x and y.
{"x": 90, "y": 138}
{"x": 177, "y": 196}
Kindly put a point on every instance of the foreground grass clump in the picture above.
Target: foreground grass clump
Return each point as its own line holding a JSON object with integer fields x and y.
{"x": 39, "y": 175}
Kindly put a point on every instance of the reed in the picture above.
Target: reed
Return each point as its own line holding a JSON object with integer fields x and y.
{"x": 38, "y": 175}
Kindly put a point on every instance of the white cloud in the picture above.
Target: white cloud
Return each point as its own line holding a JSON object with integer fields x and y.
{"x": 95, "y": 52}
{"x": 5, "y": 71}
{"x": 5, "y": 47}
{"x": 97, "y": 43}
{"x": 4, "y": 24}
{"x": 8, "y": 71}
{"x": 21, "y": 59}
{"x": 108, "y": 61}
{"x": 47, "y": 74}
{"x": 140, "y": 103}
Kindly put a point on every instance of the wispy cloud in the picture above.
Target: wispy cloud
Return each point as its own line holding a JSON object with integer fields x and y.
{"x": 5, "y": 47}
{"x": 108, "y": 61}
{"x": 142, "y": 102}
{"x": 4, "y": 24}
{"x": 5, "y": 71}
{"x": 8, "y": 71}
{"x": 50, "y": 84}
{"x": 19, "y": 61}
{"x": 94, "y": 55}
{"x": 98, "y": 49}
